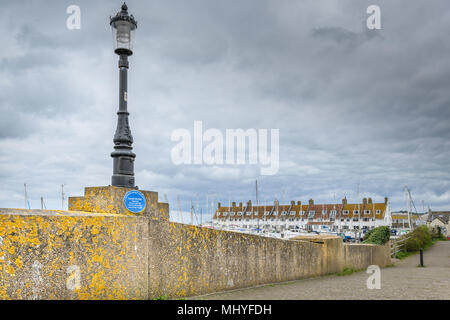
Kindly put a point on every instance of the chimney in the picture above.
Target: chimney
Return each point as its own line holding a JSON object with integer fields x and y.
{"x": 249, "y": 203}
{"x": 364, "y": 200}
{"x": 386, "y": 200}
{"x": 344, "y": 201}
{"x": 233, "y": 204}
{"x": 311, "y": 202}
{"x": 218, "y": 205}
{"x": 370, "y": 200}
{"x": 240, "y": 204}
{"x": 276, "y": 203}
{"x": 299, "y": 203}
{"x": 292, "y": 203}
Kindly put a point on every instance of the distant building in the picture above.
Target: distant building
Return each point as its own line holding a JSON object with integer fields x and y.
{"x": 439, "y": 219}
{"x": 400, "y": 220}
{"x": 435, "y": 214}
{"x": 297, "y": 216}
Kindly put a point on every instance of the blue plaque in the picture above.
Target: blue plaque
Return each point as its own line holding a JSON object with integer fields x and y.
{"x": 134, "y": 201}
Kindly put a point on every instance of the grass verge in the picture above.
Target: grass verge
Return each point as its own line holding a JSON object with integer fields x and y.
{"x": 347, "y": 271}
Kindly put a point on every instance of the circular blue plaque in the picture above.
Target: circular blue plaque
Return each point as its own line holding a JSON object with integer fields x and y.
{"x": 134, "y": 201}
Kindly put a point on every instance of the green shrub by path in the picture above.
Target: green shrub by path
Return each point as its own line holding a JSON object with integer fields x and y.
{"x": 418, "y": 238}
{"x": 402, "y": 255}
{"x": 437, "y": 234}
{"x": 378, "y": 235}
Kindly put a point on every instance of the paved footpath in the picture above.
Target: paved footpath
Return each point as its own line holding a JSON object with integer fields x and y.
{"x": 403, "y": 281}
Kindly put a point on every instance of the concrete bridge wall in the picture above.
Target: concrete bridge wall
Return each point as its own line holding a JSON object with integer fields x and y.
{"x": 72, "y": 255}
{"x": 90, "y": 255}
{"x": 188, "y": 260}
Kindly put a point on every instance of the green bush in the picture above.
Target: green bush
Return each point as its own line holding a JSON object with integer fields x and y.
{"x": 418, "y": 238}
{"x": 367, "y": 234}
{"x": 378, "y": 235}
{"x": 437, "y": 234}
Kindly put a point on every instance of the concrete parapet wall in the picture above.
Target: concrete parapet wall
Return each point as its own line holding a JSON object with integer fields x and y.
{"x": 110, "y": 200}
{"x": 359, "y": 256}
{"x": 72, "y": 255}
{"x": 82, "y": 255}
{"x": 188, "y": 260}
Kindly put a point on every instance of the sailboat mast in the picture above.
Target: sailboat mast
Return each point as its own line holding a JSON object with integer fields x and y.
{"x": 192, "y": 217}
{"x": 62, "y": 197}
{"x": 179, "y": 209}
{"x": 26, "y": 196}
{"x": 256, "y": 185}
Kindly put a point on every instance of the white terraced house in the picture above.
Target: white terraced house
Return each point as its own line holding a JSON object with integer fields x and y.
{"x": 297, "y": 216}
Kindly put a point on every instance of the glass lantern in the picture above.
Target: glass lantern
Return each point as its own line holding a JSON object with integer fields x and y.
{"x": 123, "y": 28}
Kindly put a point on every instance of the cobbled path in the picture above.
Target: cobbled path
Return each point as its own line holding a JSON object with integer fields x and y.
{"x": 402, "y": 281}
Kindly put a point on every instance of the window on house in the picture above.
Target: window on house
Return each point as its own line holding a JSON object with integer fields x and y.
{"x": 355, "y": 211}
{"x": 378, "y": 211}
{"x": 292, "y": 213}
{"x": 324, "y": 211}
{"x": 333, "y": 214}
{"x": 345, "y": 211}
{"x": 283, "y": 213}
{"x": 311, "y": 214}
{"x": 366, "y": 211}
{"x": 240, "y": 213}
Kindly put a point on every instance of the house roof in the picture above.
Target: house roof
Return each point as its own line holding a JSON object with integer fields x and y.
{"x": 434, "y": 214}
{"x": 443, "y": 219}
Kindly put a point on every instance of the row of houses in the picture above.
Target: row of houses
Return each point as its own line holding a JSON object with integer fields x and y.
{"x": 310, "y": 216}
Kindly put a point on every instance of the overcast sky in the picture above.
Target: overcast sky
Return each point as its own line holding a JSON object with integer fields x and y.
{"x": 353, "y": 106}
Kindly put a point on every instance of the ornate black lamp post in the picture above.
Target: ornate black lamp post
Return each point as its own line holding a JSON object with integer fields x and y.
{"x": 123, "y": 27}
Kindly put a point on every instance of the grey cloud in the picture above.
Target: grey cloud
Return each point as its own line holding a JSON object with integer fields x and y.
{"x": 352, "y": 105}
{"x": 343, "y": 36}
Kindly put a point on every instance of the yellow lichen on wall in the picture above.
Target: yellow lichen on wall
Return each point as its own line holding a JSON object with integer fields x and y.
{"x": 70, "y": 257}
{"x": 188, "y": 260}
{"x": 111, "y": 200}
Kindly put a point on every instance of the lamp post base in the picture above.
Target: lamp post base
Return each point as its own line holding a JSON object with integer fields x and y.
{"x": 123, "y": 169}
{"x": 121, "y": 180}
